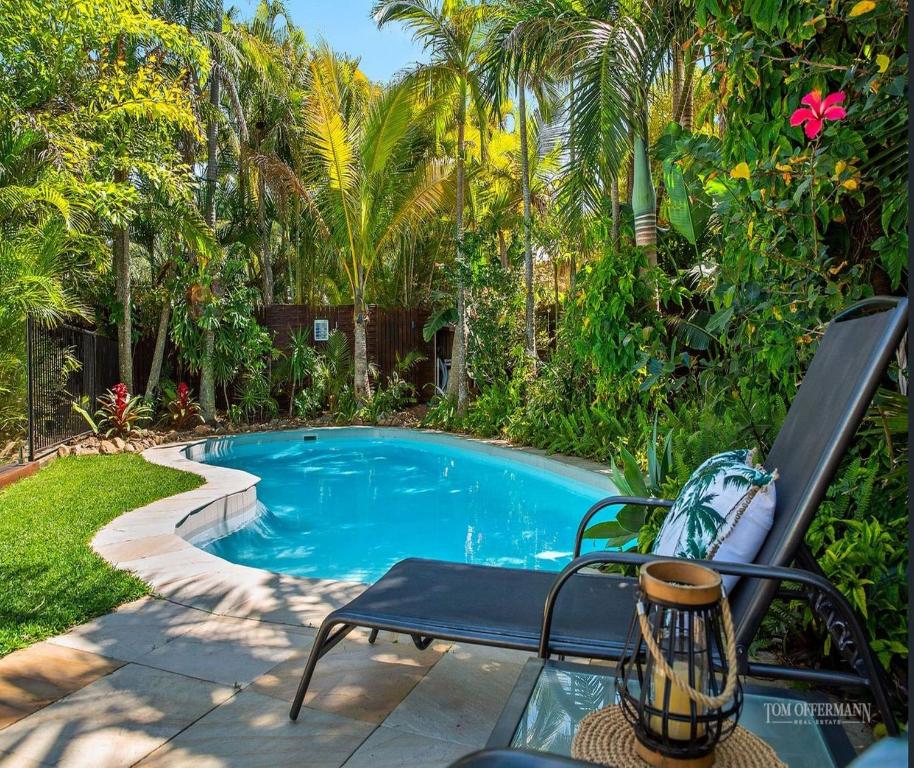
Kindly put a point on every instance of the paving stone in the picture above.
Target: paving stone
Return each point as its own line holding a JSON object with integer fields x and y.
{"x": 254, "y": 731}
{"x": 133, "y": 630}
{"x": 113, "y": 722}
{"x": 356, "y": 680}
{"x": 43, "y": 673}
{"x": 459, "y": 700}
{"x": 140, "y": 548}
{"x": 228, "y": 651}
{"x": 394, "y": 748}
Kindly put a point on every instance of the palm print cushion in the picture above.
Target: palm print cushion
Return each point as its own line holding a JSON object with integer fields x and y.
{"x": 723, "y": 512}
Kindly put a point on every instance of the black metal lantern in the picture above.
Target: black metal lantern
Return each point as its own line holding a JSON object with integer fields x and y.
{"x": 677, "y": 678}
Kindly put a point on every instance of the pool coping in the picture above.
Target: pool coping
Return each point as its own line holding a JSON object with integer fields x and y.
{"x": 146, "y": 541}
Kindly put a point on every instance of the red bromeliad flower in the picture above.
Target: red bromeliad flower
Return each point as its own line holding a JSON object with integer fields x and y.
{"x": 120, "y": 398}
{"x": 817, "y": 111}
{"x": 183, "y": 392}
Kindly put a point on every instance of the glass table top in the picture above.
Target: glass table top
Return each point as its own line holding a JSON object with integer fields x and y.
{"x": 565, "y": 693}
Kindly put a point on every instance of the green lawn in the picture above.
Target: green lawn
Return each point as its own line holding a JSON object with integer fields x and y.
{"x": 50, "y": 579}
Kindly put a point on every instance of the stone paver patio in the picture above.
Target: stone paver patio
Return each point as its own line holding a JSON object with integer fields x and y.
{"x": 160, "y": 684}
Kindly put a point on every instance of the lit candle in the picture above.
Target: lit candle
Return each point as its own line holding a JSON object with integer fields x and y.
{"x": 679, "y": 704}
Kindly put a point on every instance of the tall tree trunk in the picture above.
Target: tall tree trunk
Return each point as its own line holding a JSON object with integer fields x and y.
{"x": 683, "y": 99}
{"x": 614, "y": 201}
{"x": 644, "y": 203}
{"x": 263, "y": 227}
{"x": 362, "y": 385}
{"x": 687, "y": 108}
{"x": 630, "y": 175}
{"x": 555, "y": 285}
{"x": 457, "y": 383}
{"x": 120, "y": 237}
{"x": 676, "y": 77}
{"x": 529, "y": 315}
{"x": 572, "y": 161}
{"x": 155, "y": 370}
{"x": 207, "y": 375}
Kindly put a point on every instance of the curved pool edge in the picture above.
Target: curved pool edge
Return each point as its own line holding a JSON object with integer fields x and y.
{"x": 153, "y": 541}
{"x": 146, "y": 542}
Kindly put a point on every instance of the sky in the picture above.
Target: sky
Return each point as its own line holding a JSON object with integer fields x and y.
{"x": 348, "y": 27}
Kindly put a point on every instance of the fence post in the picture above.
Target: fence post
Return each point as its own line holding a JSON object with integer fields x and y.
{"x": 28, "y": 373}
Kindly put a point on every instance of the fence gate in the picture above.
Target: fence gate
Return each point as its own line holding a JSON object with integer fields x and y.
{"x": 65, "y": 365}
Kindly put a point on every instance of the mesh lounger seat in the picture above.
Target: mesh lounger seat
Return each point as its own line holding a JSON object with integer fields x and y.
{"x": 585, "y": 614}
{"x": 495, "y": 606}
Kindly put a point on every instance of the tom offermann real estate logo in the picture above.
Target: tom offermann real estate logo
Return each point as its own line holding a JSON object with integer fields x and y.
{"x": 823, "y": 712}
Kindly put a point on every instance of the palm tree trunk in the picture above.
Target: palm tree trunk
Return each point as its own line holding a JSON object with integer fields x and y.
{"x": 683, "y": 99}
{"x": 207, "y": 376}
{"x": 120, "y": 236}
{"x": 457, "y": 383}
{"x": 614, "y": 201}
{"x": 530, "y": 330}
{"x": 362, "y": 386}
{"x": 676, "y": 84}
{"x": 630, "y": 175}
{"x": 263, "y": 227}
{"x": 644, "y": 203}
{"x": 155, "y": 370}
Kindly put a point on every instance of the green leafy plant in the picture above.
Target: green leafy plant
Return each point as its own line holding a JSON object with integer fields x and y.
{"x": 333, "y": 368}
{"x": 183, "y": 411}
{"x": 397, "y": 392}
{"x": 118, "y": 414}
{"x": 630, "y": 480}
{"x": 300, "y": 364}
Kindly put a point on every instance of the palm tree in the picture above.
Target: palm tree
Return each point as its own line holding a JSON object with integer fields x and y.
{"x": 503, "y": 65}
{"x": 451, "y": 32}
{"x": 380, "y": 178}
{"x": 612, "y": 52}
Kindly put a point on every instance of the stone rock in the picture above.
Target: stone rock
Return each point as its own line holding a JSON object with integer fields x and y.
{"x": 64, "y": 450}
{"x": 119, "y": 443}
{"x": 107, "y": 447}
{"x": 85, "y": 450}
{"x": 203, "y": 429}
{"x": 131, "y": 448}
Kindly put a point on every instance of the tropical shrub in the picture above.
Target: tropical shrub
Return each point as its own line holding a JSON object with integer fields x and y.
{"x": 396, "y": 393}
{"x": 297, "y": 366}
{"x": 183, "y": 410}
{"x": 118, "y": 415}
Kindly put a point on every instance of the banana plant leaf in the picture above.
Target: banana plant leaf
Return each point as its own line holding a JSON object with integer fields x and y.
{"x": 688, "y": 210}
{"x": 438, "y": 320}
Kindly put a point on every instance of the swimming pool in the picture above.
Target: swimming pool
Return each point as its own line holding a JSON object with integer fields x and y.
{"x": 348, "y": 503}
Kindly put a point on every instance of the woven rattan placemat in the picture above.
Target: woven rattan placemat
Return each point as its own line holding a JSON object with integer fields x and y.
{"x": 607, "y": 738}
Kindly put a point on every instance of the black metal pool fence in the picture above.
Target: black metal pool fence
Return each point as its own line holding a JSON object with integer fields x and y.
{"x": 65, "y": 365}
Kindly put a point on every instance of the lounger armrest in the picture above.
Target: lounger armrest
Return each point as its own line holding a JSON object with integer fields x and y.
{"x": 807, "y": 579}
{"x": 612, "y": 501}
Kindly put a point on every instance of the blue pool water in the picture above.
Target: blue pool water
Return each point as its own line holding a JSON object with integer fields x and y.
{"x": 350, "y": 505}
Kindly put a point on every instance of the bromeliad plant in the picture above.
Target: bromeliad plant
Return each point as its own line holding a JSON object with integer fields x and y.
{"x": 118, "y": 415}
{"x": 183, "y": 410}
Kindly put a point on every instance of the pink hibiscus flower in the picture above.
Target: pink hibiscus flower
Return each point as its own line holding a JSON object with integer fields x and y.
{"x": 817, "y": 111}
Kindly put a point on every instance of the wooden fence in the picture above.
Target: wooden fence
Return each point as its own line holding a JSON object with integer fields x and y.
{"x": 391, "y": 334}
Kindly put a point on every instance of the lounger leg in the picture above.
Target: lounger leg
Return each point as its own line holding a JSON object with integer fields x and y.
{"x": 322, "y": 643}
{"x": 372, "y": 636}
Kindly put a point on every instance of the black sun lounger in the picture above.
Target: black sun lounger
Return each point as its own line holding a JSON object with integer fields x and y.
{"x": 582, "y": 613}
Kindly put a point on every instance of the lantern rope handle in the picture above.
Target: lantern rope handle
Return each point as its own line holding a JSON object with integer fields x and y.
{"x": 710, "y": 702}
